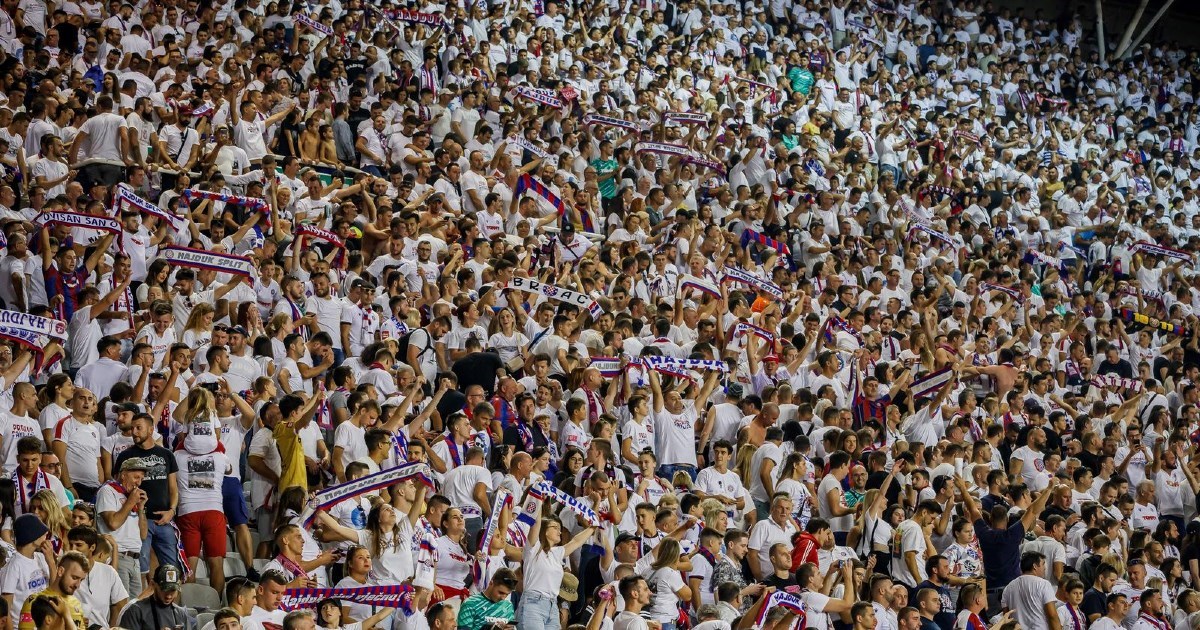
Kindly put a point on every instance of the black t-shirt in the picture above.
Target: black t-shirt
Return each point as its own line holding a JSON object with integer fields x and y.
{"x": 1094, "y": 603}
{"x": 478, "y": 368}
{"x": 1090, "y": 460}
{"x": 160, "y": 464}
{"x": 875, "y": 480}
{"x": 781, "y": 583}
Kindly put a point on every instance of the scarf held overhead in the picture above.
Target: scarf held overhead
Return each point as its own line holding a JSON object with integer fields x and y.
{"x": 386, "y": 596}
{"x": 200, "y": 259}
{"x": 529, "y": 285}
{"x": 126, "y": 196}
{"x": 328, "y": 497}
{"x": 91, "y": 222}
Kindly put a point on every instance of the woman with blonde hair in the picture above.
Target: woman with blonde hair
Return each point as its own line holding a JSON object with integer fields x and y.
{"x": 667, "y": 585}
{"x": 198, "y": 413}
{"x": 278, "y": 328}
{"x": 716, "y": 515}
{"x": 45, "y": 506}
{"x": 510, "y": 343}
{"x": 197, "y": 332}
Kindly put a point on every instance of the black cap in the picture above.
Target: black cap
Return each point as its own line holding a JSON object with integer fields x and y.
{"x": 167, "y": 577}
{"x": 568, "y": 227}
{"x": 625, "y": 537}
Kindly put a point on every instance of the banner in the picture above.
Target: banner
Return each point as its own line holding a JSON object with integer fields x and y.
{"x": 1160, "y": 250}
{"x": 545, "y": 490}
{"x": 503, "y": 499}
{"x": 609, "y": 367}
{"x": 661, "y": 148}
{"x": 1135, "y": 317}
{"x": 88, "y": 221}
{"x": 686, "y": 118}
{"x": 984, "y": 287}
{"x": 1112, "y": 380}
{"x": 253, "y": 203}
{"x": 545, "y": 97}
{"x": 305, "y": 229}
{"x": 530, "y": 183}
{"x": 929, "y": 385}
{"x": 741, "y": 276}
{"x": 125, "y": 195}
{"x": 609, "y": 121}
{"x": 1045, "y": 259}
{"x": 32, "y": 333}
{"x": 300, "y": 18}
{"x": 385, "y": 596}
{"x": 746, "y": 327}
{"x": 699, "y": 284}
{"x": 200, "y": 259}
{"x": 558, "y": 294}
{"x": 785, "y": 253}
{"x": 1149, "y": 294}
{"x": 326, "y": 498}
{"x": 791, "y": 602}
{"x": 933, "y": 235}
{"x": 34, "y": 324}
{"x": 703, "y": 365}
{"x": 524, "y": 143}
{"x": 419, "y": 17}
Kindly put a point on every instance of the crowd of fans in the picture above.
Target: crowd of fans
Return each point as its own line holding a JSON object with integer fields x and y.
{"x": 645, "y": 315}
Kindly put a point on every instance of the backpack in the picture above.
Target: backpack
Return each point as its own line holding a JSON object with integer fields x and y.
{"x": 402, "y": 345}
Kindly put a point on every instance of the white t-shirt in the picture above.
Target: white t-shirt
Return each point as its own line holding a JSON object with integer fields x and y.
{"x": 83, "y": 449}
{"x": 352, "y": 439}
{"x": 664, "y": 605}
{"x": 199, "y": 480}
{"x": 771, "y": 451}
{"x": 129, "y": 535}
{"x": 459, "y": 483}
{"x": 99, "y": 591}
{"x": 104, "y": 136}
{"x": 1031, "y": 463}
{"x": 764, "y": 535}
{"x": 1027, "y": 596}
{"x": 543, "y": 570}
{"x": 675, "y": 435}
{"x": 13, "y": 428}
{"x": 911, "y": 538}
{"x": 22, "y": 577}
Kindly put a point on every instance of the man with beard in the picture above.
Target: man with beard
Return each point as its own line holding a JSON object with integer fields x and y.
{"x": 161, "y": 490}
{"x": 71, "y": 571}
{"x": 327, "y": 311}
{"x": 1027, "y": 460}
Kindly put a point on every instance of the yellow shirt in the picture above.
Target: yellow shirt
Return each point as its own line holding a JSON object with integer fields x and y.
{"x": 72, "y": 603}
{"x": 291, "y": 456}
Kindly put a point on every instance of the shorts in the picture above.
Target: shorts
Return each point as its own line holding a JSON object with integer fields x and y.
{"x": 205, "y": 528}
{"x": 264, "y": 520}
{"x": 236, "y": 510}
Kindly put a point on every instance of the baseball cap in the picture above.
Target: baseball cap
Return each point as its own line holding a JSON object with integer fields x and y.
{"x": 134, "y": 463}
{"x": 625, "y": 537}
{"x": 167, "y": 577}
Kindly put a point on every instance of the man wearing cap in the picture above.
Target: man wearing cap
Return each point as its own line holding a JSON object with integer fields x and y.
{"x": 569, "y": 247}
{"x": 159, "y": 610}
{"x": 120, "y": 506}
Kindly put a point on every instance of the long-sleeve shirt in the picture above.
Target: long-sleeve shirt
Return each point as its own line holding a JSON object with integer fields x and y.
{"x": 343, "y": 141}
